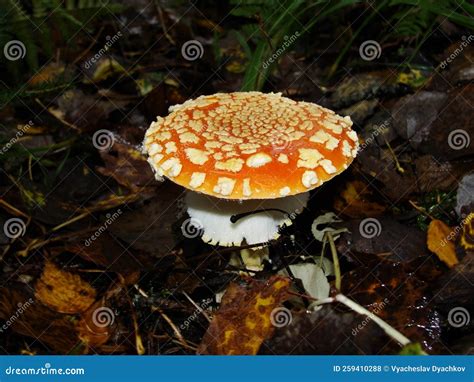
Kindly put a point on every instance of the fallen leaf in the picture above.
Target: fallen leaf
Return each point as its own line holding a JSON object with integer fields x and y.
{"x": 47, "y": 73}
{"x": 400, "y": 294}
{"x": 63, "y": 291}
{"x": 96, "y": 325}
{"x": 466, "y": 239}
{"x": 313, "y": 279}
{"x": 327, "y": 331}
{"x": 128, "y": 167}
{"x": 36, "y": 321}
{"x": 438, "y": 241}
{"x": 355, "y": 201}
{"x": 384, "y": 236}
{"x": 245, "y": 317}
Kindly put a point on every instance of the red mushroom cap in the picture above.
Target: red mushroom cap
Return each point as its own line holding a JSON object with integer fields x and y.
{"x": 250, "y": 145}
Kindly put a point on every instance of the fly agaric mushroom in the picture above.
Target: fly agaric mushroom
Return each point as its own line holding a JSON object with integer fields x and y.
{"x": 246, "y": 158}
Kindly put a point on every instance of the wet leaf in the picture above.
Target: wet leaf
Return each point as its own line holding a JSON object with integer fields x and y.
{"x": 63, "y": 291}
{"x": 244, "y": 319}
{"x": 438, "y": 240}
{"x": 327, "y": 331}
{"x": 400, "y": 294}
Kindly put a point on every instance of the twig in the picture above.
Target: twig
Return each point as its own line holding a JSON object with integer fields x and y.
{"x": 12, "y": 209}
{"x": 391, "y": 331}
{"x": 171, "y": 324}
{"x": 55, "y": 115}
{"x": 400, "y": 169}
{"x": 421, "y": 210}
{"x": 197, "y": 306}
{"x": 70, "y": 221}
{"x": 163, "y": 24}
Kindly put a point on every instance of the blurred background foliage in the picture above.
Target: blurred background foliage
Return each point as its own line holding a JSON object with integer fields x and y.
{"x": 49, "y": 28}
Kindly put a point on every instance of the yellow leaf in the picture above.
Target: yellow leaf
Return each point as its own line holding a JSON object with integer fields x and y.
{"x": 439, "y": 242}
{"x": 63, "y": 291}
{"x": 245, "y": 318}
{"x": 467, "y": 234}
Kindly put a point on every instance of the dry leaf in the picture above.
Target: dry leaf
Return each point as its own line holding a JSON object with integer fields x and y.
{"x": 467, "y": 236}
{"x": 354, "y": 201}
{"x": 439, "y": 242}
{"x": 96, "y": 324}
{"x": 128, "y": 167}
{"x": 245, "y": 317}
{"x": 63, "y": 291}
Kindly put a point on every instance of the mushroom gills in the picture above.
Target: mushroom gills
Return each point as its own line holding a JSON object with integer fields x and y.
{"x": 214, "y": 217}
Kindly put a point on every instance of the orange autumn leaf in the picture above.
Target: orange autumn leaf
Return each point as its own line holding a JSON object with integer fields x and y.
{"x": 438, "y": 241}
{"x": 63, "y": 291}
{"x": 244, "y": 319}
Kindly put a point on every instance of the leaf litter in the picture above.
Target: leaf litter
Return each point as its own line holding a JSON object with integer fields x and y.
{"x": 102, "y": 266}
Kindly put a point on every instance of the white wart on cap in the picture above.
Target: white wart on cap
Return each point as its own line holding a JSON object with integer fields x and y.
{"x": 250, "y": 145}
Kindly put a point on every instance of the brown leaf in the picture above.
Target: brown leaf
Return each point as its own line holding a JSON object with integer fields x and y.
{"x": 438, "y": 240}
{"x": 327, "y": 331}
{"x": 30, "y": 319}
{"x": 244, "y": 319}
{"x": 400, "y": 294}
{"x": 63, "y": 291}
{"x": 355, "y": 201}
{"x": 391, "y": 239}
{"x": 128, "y": 167}
{"x": 96, "y": 325}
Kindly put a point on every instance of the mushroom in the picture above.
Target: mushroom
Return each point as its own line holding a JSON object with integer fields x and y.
{"x": 248, "y": 160}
